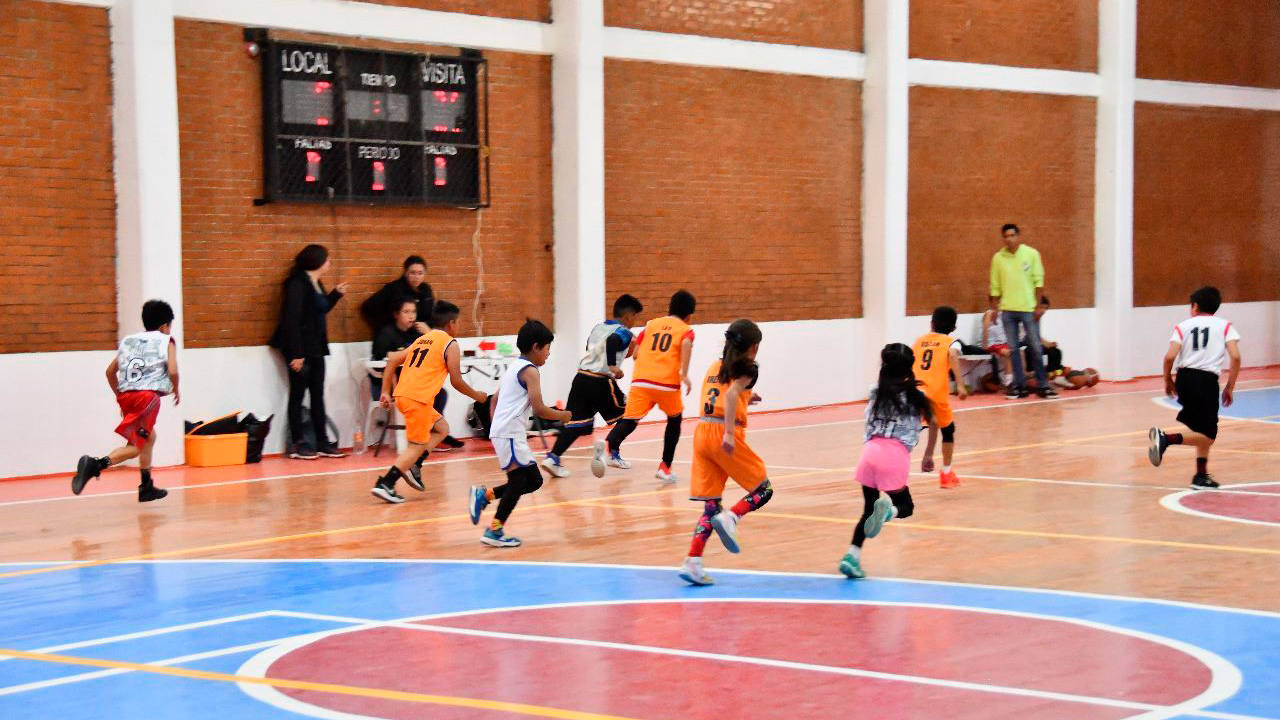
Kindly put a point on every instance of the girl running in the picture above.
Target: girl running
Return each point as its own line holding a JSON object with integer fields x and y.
{"x": 893, "y": 428}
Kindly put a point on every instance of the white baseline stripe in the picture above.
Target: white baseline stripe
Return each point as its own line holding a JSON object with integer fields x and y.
{"x": 147, "y": 633}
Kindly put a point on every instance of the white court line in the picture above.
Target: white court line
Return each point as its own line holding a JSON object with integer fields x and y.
{"x": 1225, "y": 681}
{"x": 145, "y": 633}
{"x": 1174, "y": 502}
{"x": 1010, "y": 404}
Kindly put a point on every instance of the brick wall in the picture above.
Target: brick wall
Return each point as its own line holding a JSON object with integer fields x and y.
{"x": 1206, "y": 203}
{"x": 1059, "y": 34}
{"x": 235, "y": 255}
{"x": 817, "y": 23}
{"x": 1232, "y": 42}
{"x": 57, "y": 195}
{"x": 539, "y": 10}
{"x": 741, "y": 187}
{"x": 980, "y": 159}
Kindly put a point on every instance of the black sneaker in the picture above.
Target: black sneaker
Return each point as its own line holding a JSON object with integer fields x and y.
{"x": 1203, "y": 481}
{"x": 147, "y": 494}
{"x": 414, "y": 478}
{"x": 1015, "y": 393}
{"x": 450, "y": 441}
{"x": 1157, "y": 443}
{"x": 304, "y": 454}
{"x": 1047, "y": 392}
{"x": 387, "y": 493}
{"x": 88, "y": 468}
{"x": 330, "y": 451}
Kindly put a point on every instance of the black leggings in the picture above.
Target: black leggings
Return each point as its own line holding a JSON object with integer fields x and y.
{"x": 309, "y": 380}
{"x": 901, "y": 500}
{"x": 521, "y": 481}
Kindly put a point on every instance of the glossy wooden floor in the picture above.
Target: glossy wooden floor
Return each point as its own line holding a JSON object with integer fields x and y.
{"x": 1055, "y": 494}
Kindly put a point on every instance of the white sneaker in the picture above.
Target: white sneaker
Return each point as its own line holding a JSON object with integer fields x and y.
{"x": 692, "y": 572}
{"x": 881, "y": 511}
{"x": 664, "y": 474}
{"x": 615, "y": 460}
{"x": 726, "y": 526}
{"x": 553, "y": 466}
{"x": 1062, "y": 382}
{"x": 597, "y": 459}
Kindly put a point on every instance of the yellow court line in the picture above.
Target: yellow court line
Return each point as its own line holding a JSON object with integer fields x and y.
{"x": 378, "y": 693}
{"x": 959, "y": 528}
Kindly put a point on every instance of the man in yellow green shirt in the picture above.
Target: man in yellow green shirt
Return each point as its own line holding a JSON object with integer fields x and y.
{"x": 1017, "y": 281}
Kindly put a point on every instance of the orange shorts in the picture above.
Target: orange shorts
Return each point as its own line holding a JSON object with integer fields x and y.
{"x": 712, "y": 465}
{"x": 640, "y": 400}
{"x": 419, "y": 418}
{"x": 942, "y": 414}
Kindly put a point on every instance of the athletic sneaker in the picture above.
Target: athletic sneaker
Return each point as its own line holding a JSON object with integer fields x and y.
{"x": 330, "y": 451}
{"x": 851, "y": 568}
{"x": 615, "y": 460}
{"x": 450, "y": 441}
{"x": 1047, "y": 392}
{"x": 497, "y": 538}
{"x": 664, "y": 473}
{"x": 87, "y": 468}
{"x": 948, "y": 480}
{"x": 553, "y": 465}
{"x": 414, "y": 478}
{"x": 1062, "y": 382}
{"x": 1015, "y": 393}
{"x": 692, "y": 572}
{"x": 1157, "y": 444}
{"x": 387, "y": 493}
{"x": 1203, "y": 481}
{"x": 597, "y": 459}
{"x": 304, "y": 454}
{"x": 880, "y": 513}
{"x": 479, "y": 501}
{"x": 726, "y": 526}
{"x": 147, "y": 494}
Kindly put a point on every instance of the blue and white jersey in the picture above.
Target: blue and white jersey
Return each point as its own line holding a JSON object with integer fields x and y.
{"x": 597, "y": 358}
{"x": 143, "y": 363}
{"x": 903, "y": 428}
{"x": 512, "y": 413}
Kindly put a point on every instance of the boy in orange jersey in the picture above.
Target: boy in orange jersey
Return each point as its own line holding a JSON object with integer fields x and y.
{"x": 427, "y": 363}
{"x": 937, "y": 354}
{"x": 720, "y": 449}
{"x": 663, "y": 351}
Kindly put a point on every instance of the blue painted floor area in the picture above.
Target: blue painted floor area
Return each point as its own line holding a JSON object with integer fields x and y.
{"x": 62, "y": 607}
{"x": 1262, "y": 404}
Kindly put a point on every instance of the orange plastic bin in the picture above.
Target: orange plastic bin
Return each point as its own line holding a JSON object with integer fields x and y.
{"x": 216, "y": 450}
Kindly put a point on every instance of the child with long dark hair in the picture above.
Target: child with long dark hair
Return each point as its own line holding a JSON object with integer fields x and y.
{"x": 893, "y": 429}
{"x": 720, "y": 449}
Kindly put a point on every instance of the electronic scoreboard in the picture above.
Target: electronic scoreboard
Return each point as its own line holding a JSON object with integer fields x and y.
{"x": 367, "y": 126}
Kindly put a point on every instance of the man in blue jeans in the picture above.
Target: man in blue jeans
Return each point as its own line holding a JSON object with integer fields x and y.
{"x": 1017, "y": 281}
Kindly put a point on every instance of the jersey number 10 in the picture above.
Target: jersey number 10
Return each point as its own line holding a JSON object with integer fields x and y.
{"x": 661, "y": 342}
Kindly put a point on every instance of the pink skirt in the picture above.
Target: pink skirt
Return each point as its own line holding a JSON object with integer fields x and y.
{"x": 885, "y": 465}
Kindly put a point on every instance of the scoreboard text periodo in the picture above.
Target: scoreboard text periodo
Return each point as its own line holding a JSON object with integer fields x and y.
{"x": 366, "y": 126}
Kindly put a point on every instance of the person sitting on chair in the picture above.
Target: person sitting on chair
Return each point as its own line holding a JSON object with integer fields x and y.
{"x": 396, "y": 336}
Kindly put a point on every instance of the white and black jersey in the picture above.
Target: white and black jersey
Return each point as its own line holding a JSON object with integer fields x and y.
{"x": 1204, "y": 341}
{"x": 143, "y": 363}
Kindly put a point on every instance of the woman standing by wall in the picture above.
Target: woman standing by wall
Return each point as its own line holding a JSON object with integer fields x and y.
{"x": 303, "y": 338}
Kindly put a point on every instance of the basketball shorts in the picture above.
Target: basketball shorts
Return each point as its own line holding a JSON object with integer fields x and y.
{"x": 942, "y": 413}
{"x": 138, "y": 412}
{"x": 642, "y": 399}
{"x": 419, "y": 418}
{"x": 592, "y": 395}
{"x": 885, "y": 465}
{"x": 712, "y": 466}
{"x": 513, "y": 452}
{"x": 1198, "y": 394}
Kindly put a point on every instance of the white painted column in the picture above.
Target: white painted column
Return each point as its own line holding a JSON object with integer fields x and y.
{"x": 1113, "y": 256}
{"x": 148, "y": 181}
{"x": 885, "y": 112}
{"x": 577, "y": 90}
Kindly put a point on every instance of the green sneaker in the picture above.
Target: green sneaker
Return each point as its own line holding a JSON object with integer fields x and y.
{"x": 851, "y": 568}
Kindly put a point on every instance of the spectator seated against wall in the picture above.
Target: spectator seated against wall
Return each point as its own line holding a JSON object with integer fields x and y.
{"x": 395, "y": 336}
{"x": 380, "y": 309}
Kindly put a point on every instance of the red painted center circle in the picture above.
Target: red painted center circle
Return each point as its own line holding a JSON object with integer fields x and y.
{"x": 929, "y": 663}
{"x": 1259, "y": 502}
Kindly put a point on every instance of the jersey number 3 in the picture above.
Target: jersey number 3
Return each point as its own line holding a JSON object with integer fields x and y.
{"x": 709, "y": 408}
{"x": 1196, "y": 342}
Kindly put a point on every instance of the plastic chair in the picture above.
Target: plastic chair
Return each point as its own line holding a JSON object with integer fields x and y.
{"x": 386, "y": 423}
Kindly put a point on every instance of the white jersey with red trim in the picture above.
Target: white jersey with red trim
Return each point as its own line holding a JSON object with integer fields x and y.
{"x": 1204, "y": 341}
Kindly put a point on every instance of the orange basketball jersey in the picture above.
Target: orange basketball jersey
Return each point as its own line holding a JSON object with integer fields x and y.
{"x": 424, "y": 371}
{"x": 658, "y": 353}
{"x": 713, "y": 392}
{"x": 933, "y": 363}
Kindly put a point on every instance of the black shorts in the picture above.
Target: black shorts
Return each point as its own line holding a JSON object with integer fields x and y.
{"x": 590, "y": 395}
{"x": 1198, "y": 394}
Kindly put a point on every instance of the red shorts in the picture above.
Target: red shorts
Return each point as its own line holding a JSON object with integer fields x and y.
{"x": 138, "y": 410}
{"x": 998, "y": 348}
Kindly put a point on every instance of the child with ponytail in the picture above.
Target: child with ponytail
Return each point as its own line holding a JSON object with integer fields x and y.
{"x": 893, "y": 429}
{"x": 720, "y": 449}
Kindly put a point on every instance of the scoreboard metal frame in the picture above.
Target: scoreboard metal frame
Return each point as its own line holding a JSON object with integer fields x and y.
{"x": 360, "y": 126}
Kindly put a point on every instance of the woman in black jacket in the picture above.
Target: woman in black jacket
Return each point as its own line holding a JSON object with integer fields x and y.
{"x": 303, "y": 338}
{"x": 381, "y": 307}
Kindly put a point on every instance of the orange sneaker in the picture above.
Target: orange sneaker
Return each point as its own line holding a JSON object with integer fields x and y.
{"x": 948, "y": 480}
